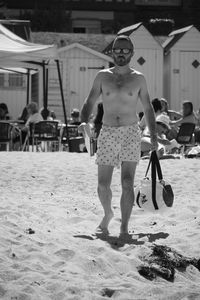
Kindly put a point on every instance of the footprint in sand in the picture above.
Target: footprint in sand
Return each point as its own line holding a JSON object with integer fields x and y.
{"x": 65, "y": 253}
{"x": 75, "y": 220}
{"x": 194, "y": 209}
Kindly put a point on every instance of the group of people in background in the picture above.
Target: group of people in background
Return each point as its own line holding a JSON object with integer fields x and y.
{"x": 168, "y": 124}
{"x": 30, "y": 114}
{"x": 168, "y": 121}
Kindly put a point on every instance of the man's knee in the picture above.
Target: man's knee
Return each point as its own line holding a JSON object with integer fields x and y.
{"x": 103, "y": 186}
{"x": 127, "y": 183}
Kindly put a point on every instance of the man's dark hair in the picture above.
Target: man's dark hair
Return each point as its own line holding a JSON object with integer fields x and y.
{"x": 156, "y": 104}
{"x": 123, "y": 37}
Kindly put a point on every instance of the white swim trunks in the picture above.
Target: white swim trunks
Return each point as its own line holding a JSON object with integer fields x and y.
{"x": 118, "y": 144}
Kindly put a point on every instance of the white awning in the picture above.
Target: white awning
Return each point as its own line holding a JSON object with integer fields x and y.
{"x": 12, "y": 47}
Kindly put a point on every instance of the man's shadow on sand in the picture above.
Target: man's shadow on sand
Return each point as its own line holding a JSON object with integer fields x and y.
{"x": 117, "y": 242}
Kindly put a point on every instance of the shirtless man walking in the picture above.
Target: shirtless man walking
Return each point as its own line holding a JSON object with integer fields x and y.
{"x": 119, "y": 141}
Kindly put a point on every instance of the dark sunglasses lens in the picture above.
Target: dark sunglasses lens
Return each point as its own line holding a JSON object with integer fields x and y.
{"x": 119, "y": 50}
{"x": 126, "y": 51}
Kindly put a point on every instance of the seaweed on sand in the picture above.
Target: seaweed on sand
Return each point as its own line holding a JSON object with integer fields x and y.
{"x": 164, "y": 261}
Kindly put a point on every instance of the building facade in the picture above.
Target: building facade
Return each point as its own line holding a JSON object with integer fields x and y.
{"x": 102, "y": 16}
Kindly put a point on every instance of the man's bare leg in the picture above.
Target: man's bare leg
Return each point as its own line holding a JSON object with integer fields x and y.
{"x": 127, "y": 198}
{"x": 105, "y": 195}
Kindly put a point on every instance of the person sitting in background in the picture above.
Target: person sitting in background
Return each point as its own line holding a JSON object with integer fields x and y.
{"x": 188, "y": 115}
{"x": 24, "y": 116}
{"x": 157, "y": 109}
{"x": 162, "y": 122}
{"x": 75, "y": 117}
{"x": 173, "y": 115}
{"x": 4, "y": 114}
{"x": 33, "y": 117}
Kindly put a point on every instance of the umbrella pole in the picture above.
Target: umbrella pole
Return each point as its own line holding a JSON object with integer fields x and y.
{"x": 44, "y": 84}
{"x": 63, "y": 101}
{"x": 45, "y": 91}
{"x": 28, "y": 87}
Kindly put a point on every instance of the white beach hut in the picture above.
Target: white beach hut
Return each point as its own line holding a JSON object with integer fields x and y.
{"x": 182, "y": 67}
{"x": 79, "y": 66}
{"x": 148, "y": 57}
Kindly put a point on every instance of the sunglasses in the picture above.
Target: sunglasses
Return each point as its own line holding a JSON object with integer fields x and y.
{"x": 123, "y": 50}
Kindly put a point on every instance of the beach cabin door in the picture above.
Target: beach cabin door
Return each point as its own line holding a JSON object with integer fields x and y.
{"x": 145, "y": 61}
{"x": 81, "y": 76}
{"x": 190, "y": 77}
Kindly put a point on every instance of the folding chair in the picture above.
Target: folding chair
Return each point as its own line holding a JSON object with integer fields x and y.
{"x": 197, "y": 136}
{"x": 47, "y": 132}
{"x": 6, "y": 135}
{"x": 72, "y": 141}
{"x": 185, "y": 135}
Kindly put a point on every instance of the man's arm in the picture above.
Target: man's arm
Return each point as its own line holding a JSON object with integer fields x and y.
{"x": 149, "y": 112}
{"x": 89, "y": 102}
{"x": 176, "y": 123}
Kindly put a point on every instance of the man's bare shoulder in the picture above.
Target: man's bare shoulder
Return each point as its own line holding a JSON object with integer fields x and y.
{"x": 110, "y": 71}
{"x": 105, "y": 72}
{"x": 102, "y": 74}
{"x": 137, "y": 73}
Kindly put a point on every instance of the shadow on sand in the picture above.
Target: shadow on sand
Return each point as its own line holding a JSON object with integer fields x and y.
{"x": 117, "y": 242}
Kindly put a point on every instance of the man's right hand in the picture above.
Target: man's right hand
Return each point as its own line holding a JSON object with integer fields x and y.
{"x": 81, "y": 128}
{"x": 86, "y": 127}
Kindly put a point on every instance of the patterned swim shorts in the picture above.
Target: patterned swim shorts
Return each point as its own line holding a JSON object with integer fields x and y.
{"x": 118, "y": 144}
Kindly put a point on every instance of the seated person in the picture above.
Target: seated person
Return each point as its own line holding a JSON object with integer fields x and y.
{"x": 75, "y": 117}
{"x": 172, "y": 114}
{"x": 157, "y": 109}
{"x": 165, "y": 145}
{"x": 34, "y": 117}
{"x": 24, "y": 116}
{"x": 187, "y": 117}
{"x": 4, "y": 114}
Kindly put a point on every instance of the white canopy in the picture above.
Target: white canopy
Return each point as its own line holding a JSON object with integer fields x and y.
{"x": 16, "y": 52}
{"x": 14, "y": 48}
{"x": 17, "y": 70}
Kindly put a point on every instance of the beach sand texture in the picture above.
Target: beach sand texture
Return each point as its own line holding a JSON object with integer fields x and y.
{"x": 49, "y": 210}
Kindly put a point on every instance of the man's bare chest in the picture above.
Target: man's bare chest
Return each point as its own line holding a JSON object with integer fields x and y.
{"x": 120, "y": 87}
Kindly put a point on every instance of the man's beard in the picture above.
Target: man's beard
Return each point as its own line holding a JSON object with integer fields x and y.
{"x": 121, "y": 60}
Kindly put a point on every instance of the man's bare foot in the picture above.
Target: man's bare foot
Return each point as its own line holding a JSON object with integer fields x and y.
{"x": 105, "y": 221}
{"x": 123, "y": 229}
{"x": 100, "y": 231}
{"x": 126, "y": 236}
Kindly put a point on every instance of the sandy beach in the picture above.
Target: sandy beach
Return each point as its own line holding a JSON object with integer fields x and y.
{"x": 49, "y": 211}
